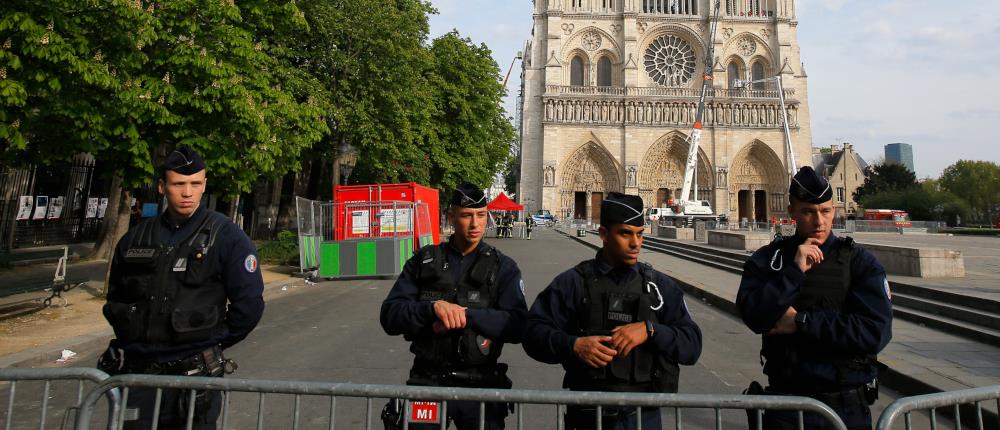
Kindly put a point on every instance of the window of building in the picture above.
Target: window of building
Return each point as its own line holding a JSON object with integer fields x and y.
{"x": 733, "y": 73}
{"x": 576, "y": 72}
{"x": 604, "y": 72}
{"x": 840, "y": 194}
{"x": 757, "y": 73}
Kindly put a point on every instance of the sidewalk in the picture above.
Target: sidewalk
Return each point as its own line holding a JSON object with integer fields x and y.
{"x": 37, "y": 339}
{"x": 920, "y": 359}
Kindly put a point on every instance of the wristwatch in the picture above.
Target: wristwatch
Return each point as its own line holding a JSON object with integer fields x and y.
{"x": 649, "y": 329}
{"x": 801, "y": 319}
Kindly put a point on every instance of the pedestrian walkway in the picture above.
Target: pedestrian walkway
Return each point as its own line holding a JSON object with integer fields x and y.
{"x": 917, "y": 356}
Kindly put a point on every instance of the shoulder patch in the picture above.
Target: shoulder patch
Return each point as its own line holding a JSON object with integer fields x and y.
{"x": 522, "y": 287}
{"x": 250, "y": 263}
{"x": 888, "y": 292}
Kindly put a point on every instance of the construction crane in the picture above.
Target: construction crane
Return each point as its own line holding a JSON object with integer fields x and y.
{"x": 687, "y": 207}
{"x": 519, "y": 56}
{"x": 792, "y": 165}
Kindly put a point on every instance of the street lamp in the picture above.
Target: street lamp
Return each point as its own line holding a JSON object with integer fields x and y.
{"x": 348, "y": 158}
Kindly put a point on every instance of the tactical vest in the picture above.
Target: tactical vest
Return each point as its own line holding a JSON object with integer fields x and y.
{"x": 825, "y": 288}
{"x": 168, "y": 295}
{"x": 476, "y": 290}
{"x": 607, "y": 305}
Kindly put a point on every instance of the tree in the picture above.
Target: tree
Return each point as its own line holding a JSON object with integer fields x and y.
{"x": 978, "y": 183}
{"x": 471, "y": 136}
{"x": 924, "y": 203}
{"x": 884, "y": 177}
{"x": 126, "y": 80}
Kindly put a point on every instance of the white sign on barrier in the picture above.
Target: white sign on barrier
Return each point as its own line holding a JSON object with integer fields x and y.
{"x": 359, "y": 222}
{"x": 41, "y": 205}
{"x": 55, "y": 209}
{"x": 102, "y": 207}
{"x": 395, "y": 220}
{"x": 92, "y": 204}
{"x": 25, "y": 210}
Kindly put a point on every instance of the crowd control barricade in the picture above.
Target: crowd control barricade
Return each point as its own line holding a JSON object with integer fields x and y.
{"x": 965, "y": 405}
{"x": 362, "y": 238}
{"x": 373, "y": 398}
{"x": 27, "y": 407}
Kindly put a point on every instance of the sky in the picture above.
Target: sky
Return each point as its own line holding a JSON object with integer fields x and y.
{"x": 880, "y": 71}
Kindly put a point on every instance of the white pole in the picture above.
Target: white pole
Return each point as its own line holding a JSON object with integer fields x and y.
{"x": 792, "y": 166}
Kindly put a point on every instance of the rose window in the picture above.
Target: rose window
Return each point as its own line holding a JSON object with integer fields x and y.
{"x": 669, "y": 61}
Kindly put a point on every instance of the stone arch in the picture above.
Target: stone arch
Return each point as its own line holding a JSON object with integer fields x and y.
{"x": 763, "y": 48}
{"x": 616, "y": 66}
{"x": 662, "y": 168}
{"x": 589, "y": 169}
{"x": 586, "y": 66}
{"x": 741, "y": 69}
{"x": 758, "y": 183}
{"x": 575, "y": 43}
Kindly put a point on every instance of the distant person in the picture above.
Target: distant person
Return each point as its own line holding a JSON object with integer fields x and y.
{"x": 822, "y": 306}
{"x": 614, "y": 324}
{"x": 184, "y": 286}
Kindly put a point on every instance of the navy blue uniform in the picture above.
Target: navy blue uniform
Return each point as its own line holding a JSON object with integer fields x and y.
{"x": 772, "y": 282}
{"x": 403, "y": 313}
{"x": 241, "y": 275}
{"x": 554, "y": 318}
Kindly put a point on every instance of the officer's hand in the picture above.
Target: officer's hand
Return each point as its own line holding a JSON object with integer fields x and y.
{"x": 786, "y": 324}
{"x": 627, "y": 337}
{"x": 438, "y": 328}
{"x": 809, "y": 255}
{"x": 593, "y": 351}
{"x": 450, "y": 314}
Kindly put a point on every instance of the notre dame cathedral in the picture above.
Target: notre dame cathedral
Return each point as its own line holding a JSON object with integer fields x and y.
{"x": 610, "y": 90}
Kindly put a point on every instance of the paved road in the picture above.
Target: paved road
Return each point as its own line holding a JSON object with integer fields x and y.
{"x": 330, "y": 332}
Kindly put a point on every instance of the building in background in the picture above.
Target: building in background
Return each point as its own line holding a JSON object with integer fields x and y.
{"x": 900, "y": 153}
{"x": 845, "y": 170}
{"x": 610, "y": 90}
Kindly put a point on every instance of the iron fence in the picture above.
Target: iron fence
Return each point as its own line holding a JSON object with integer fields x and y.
{"x": 330, "y": 392}
{"x": 970, "y": 400}
{"x": 54, "y": 381}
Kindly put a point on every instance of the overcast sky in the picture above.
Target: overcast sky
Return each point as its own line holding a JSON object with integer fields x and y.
{"x": 880, "y": 71}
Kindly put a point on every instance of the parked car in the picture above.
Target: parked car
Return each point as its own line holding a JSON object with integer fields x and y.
{"x": 543, "y": 217}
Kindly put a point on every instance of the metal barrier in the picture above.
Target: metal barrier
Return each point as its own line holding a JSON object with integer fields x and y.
{"x": 717, "y": 403}
{"x": 972, "y": 398}
{"x": 82, "y": 375}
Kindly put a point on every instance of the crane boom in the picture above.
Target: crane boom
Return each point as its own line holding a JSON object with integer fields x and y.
{"x": 692, "y": 158}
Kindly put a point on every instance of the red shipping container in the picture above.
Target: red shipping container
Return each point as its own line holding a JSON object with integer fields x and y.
{"x": 379, "y": 198}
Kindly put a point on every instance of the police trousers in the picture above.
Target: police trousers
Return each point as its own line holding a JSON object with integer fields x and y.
{"x": 585, "y": 418}
{"x": 465, "y": 416}
{"x": 173, "y": 409}
{"x": 853, "y": 411}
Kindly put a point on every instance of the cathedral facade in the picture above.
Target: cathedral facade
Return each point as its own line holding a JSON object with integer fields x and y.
{"x": 610, "y": 90}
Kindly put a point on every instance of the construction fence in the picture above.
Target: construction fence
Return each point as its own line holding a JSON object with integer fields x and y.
{"x": 309, "y": 404}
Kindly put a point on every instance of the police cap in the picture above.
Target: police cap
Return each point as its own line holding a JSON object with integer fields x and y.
{"x": 808, "y": 186}
{"x": 622, "y": 208}
{"x": 468, "y": 196}
{"x": 183, "y": 160}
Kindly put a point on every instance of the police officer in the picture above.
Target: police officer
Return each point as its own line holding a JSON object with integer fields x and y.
{"x": 458, "y": 303}
{"x": 529, "y": 223}
{"x": 822, "y": 304}
{"x": 614, "y": 324}
{"x": 183, "y": 287}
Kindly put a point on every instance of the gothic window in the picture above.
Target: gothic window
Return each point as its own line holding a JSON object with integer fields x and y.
{"x": 604, "y": 72}
{"x": 576, "y": 72}
{"x": 757, "y": 73}
{"x": 669, "y": 61}
{"x": 733, "y": 73}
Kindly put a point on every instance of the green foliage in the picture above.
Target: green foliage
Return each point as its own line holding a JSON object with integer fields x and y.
{"x": 471, "y": 137}
{"x": 284, "y": 250}
{"x": 924, "y": 203}
{"x": 123, "y": 79}
{"x": 978, "y": 183}
{"x": 880, "y": 178}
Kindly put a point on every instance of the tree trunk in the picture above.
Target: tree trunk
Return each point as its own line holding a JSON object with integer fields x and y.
{"x": 115, "y": 223}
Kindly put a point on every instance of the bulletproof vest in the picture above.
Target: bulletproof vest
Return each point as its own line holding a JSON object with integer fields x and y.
{"x": 476, "y": 289}
{"x": 607, "y": 305}
{"x": 825, "y": 288}
{"x": 167, "y": 295}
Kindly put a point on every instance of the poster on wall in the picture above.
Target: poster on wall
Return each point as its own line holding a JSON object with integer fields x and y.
{"x": 55, "y": 208}
{"x": 359, "y": 222}
{"x": 92, "y": 204}
{"x": 395, "y": 220}
{"x": 102, "y": 207}
{"x": 24, "y": 212}
{"x": 41, "y": 206}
